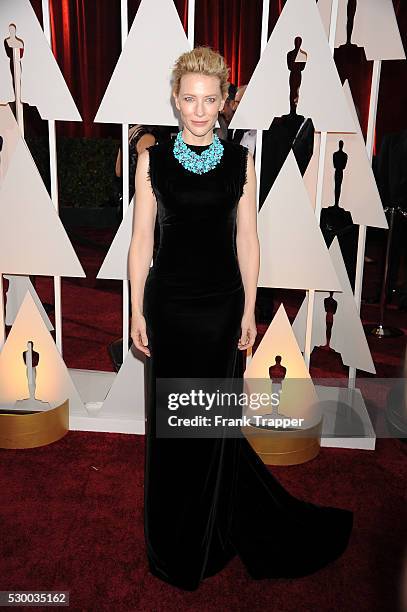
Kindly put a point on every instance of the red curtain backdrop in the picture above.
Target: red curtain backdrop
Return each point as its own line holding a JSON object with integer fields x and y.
{"x": 86, "y": 43}
{"x": 233, "y": 28}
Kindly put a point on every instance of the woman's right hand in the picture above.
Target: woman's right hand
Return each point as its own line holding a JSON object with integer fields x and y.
{"x": 138, "y": 333}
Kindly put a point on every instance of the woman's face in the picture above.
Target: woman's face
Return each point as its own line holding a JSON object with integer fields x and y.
{"x": 199, "y": 101}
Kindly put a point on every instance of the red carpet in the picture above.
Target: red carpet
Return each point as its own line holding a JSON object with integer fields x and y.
{"x": 72, "y": 520}
{"x": 71, "y": 512}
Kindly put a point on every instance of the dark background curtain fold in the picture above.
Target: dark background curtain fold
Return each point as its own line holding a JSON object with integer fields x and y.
{"x": 86, "y": 43}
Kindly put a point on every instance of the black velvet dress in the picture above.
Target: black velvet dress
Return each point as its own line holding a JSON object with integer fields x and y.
{"x": 201, "y": 495}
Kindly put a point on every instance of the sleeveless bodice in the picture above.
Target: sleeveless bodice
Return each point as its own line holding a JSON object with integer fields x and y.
{"x": 197, "y": 219}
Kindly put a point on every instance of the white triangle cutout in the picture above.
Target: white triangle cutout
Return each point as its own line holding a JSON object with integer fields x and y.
{"x": 347, "y": 335}
{"x": 126, "y": 396}
{"x": 359, "y": 193}
{"x": 321, "y": 96}
{"x": 33, "y": 239}
{"x": 11, "y": 135}
{"x": 144, "y": 63}
{"x": 299, "y": 394}
{"x": 42, "y": 83}
{"x": 375, "y": 27}
{"x": 293, "y": 253}
{"x": 53, "y": 383}
{"x": 115, "y": 264}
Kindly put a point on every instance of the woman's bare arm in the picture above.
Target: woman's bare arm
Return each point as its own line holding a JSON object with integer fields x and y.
{"x": 141, "y": 248}
{"x": 248, "y": 252}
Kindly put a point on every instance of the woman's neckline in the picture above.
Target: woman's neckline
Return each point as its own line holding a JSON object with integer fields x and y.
{"x": 198, "y": 146}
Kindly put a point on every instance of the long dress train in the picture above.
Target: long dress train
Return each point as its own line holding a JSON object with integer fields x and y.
{"x": 208, "y": 499}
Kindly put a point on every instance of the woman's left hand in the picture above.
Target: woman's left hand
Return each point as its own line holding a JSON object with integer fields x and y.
{"x": 249, "y": 332}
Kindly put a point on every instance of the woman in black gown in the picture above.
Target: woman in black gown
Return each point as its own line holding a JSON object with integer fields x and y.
{"x": 208, "y": 499}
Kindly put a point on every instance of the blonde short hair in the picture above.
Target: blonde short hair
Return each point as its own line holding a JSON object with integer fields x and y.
{"x": 201, "y": 60}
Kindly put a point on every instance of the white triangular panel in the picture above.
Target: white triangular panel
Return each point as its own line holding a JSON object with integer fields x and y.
{"x": 10, "y": 133}
{"x": 53, "y": 383}
{"x": 126, "y": 396}
{"x": 375, "y": 27}
{"x": 278, "y": 340}
{"x": 42, "y": 83}
{"x": 293, "y": 254}
{"x": 359, "y": 194}
{"x": 318, "y": 337}
{"x": 115, "y": 264}
{"x": 18, "y": 287}
{"x": 33, "y": 239}
{"x": 347, "y": 336}
{"x": 297, "y": 397}
{"x": 156, "y": 39}
{"x": 311, "y": 173}
{"x": 321, "y": 96}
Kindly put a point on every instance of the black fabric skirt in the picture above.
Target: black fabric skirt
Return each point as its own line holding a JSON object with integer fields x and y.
{"x": 208, "y": 499}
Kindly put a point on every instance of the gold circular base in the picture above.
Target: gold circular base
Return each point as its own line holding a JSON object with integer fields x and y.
{"x": 32, "y": 430}
{"x": 282, "y": 447}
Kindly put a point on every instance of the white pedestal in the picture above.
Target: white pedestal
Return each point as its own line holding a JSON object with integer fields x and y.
{"x": 93, "y": 386}
{"x": 346, "y": 422}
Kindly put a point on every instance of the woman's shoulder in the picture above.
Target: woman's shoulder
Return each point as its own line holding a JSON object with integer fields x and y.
{"x": 236, "y": 162}
{"x": 236, "y": 156}
{"x": 159, "y": 158}
{"x": 160, "y": 147}
{"x": 235, "y": 148}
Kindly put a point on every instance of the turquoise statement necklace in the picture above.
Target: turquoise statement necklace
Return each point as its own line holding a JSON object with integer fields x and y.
{"x": 199, "y": 164}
